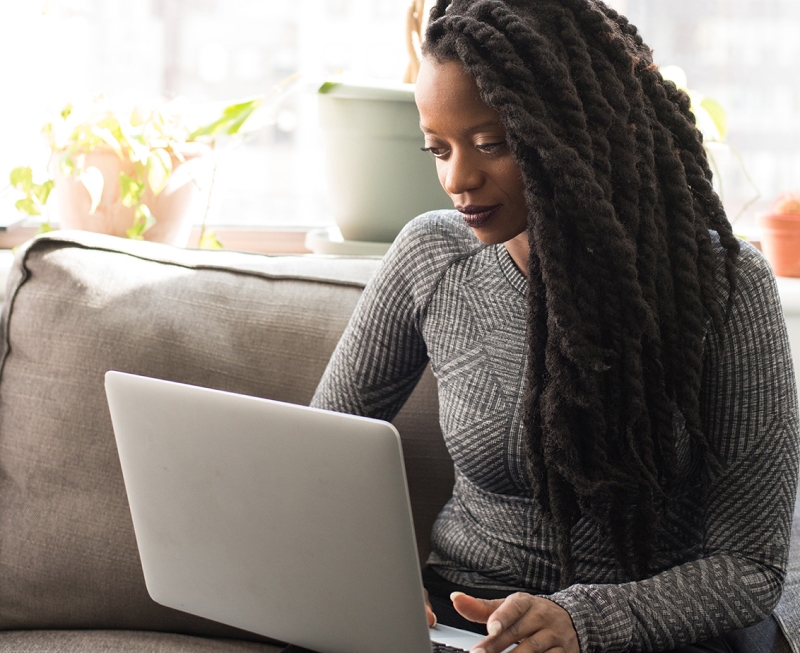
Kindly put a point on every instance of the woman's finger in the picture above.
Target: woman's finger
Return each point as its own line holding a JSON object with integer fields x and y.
{"x": 477, "y": 610}
{"x": 515, "y": 620}
{"x": 535, "y": 622}
{"x": 508, "y": 614}
{"x": 537, "y": 644}
{"x": 429, "y": 610}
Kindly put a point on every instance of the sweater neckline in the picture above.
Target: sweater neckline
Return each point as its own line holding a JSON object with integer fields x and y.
{"x": 510, "y": 270}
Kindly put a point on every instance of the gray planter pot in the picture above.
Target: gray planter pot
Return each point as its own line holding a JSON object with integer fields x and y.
{"x": 378, "y": 177}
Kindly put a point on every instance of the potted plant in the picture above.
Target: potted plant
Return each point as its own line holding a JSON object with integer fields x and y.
{"x": 780, "y": 235}
{"x": 377, "y": 174}
{"x": 130, "y": 172}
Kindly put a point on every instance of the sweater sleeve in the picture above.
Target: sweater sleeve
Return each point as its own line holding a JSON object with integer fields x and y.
{"x": 382, "y": 355}
{"x": 749, "y": 410}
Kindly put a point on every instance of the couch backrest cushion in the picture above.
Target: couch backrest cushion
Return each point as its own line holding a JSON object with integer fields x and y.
{"x": 79, "y": 305}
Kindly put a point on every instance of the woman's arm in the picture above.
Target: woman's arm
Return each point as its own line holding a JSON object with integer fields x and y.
{"x": 749, "y": 404}
{"x": 751, "y": 419}
{"x": 381, "y": 354}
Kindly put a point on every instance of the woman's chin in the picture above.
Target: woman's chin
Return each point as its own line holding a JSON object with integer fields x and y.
{"x": 487, "y": 238}
{"x": 495, "y": 237}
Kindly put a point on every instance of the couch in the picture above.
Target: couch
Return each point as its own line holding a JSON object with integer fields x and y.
{"x": 79, "y": 304}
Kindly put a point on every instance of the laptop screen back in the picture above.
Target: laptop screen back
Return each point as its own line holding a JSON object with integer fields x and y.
{"x": 283, "y": 520}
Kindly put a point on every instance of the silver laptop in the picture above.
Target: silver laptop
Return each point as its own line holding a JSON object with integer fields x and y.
{"x": 283, "y": 520}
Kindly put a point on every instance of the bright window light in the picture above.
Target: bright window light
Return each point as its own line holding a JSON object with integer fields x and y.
{"x": 743, "y": 54}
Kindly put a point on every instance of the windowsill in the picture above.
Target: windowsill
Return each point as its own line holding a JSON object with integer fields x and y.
{"x": 262, "y": 241}
{"x": 259, "y": 241}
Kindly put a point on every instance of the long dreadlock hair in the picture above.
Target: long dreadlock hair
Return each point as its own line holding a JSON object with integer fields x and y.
{"x": 621, "y": 266}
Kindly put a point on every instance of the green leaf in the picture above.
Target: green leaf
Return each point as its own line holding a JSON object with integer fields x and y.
{"x": 327, "y": 87}
{"x": 136, "y": 232}
{"x": 150, "y": 219}
{"x": 231, "y": 120}
{"x": 66, "y": 165}
{"x": 42, "y": 191}
{"x": 82, "y": 139}
{"x": 717, "y": 114}
{"x": 142, "y": 221}
{"x": 159, "y": 168}
{"x": 22, "y": 178}
{"x": 107, "y": 136}
{"x": 140, "y": 150}
{"x": 92, "y": 179}
{"x": 131, "y": 190}
{"x": 137, "y": 118}
{"x": 44, "y": 227}
{"x": 27, "y": 205}
{"x": 209, "y": 240}
{"x": 158, "y": 121}
{"x": 66, "y": 111}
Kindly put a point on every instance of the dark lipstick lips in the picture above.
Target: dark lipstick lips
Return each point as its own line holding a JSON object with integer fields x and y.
{"x": 477, "y": 216}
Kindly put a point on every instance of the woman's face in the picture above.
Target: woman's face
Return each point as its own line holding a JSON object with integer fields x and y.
{"x": 473, "y": 160}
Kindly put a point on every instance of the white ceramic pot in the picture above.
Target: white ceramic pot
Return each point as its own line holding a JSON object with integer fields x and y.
{"x": 377, "y": 174}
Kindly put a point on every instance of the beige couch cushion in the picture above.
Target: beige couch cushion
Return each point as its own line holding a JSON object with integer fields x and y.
{"x": 81, "y": 304}
{"x": 121, "y": 641}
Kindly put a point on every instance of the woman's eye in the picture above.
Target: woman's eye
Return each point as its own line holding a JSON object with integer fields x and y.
{"x": 438, "y": 152}
{"x": 490, "y": 147}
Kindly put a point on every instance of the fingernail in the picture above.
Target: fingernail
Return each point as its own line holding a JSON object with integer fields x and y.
{"x": 453, "y": 598}
{"x": 494, "y": 628}
{"x": 435, "y": 621}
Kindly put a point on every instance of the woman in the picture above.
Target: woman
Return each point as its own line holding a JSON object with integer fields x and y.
{"x": 613, "y": 370}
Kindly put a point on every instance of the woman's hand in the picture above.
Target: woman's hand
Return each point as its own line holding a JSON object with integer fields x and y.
{"x": 537, "y": 624}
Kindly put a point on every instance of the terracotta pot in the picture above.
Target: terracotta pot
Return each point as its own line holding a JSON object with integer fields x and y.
{"x": 780, "y": 240}
{"x": 170, "y": 207}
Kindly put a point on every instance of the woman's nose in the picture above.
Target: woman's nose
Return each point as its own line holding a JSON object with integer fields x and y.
{"x": 461, "y": 174}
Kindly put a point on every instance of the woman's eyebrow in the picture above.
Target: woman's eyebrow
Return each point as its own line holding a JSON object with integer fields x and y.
{"x": 468, "y": 130}
{"x": 483, "y": 125}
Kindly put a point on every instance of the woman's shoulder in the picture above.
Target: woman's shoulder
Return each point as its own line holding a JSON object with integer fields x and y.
{"x": 439, "y": 229}
{"x": 423, "y": 252}
{"x": 753, "y": 275}
{"x": 431, "y": 242}
{"x": 752, "y": 264}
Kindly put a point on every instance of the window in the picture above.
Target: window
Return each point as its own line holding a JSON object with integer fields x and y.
{"x": 743, "y": 53}
{"x": 746, "y": 55}
{"x": 208, "y": 51}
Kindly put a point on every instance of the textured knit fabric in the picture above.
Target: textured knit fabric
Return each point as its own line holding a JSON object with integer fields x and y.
{"x": 443, "y": 297}
{"x": 788, "y": 610}
{"x": 121, "y": 641}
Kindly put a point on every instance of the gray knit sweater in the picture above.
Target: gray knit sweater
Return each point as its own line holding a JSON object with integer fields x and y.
{"x": 441, "y": 296}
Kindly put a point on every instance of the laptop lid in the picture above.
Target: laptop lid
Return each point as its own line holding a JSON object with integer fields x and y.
{"x": 284, "y": 520}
